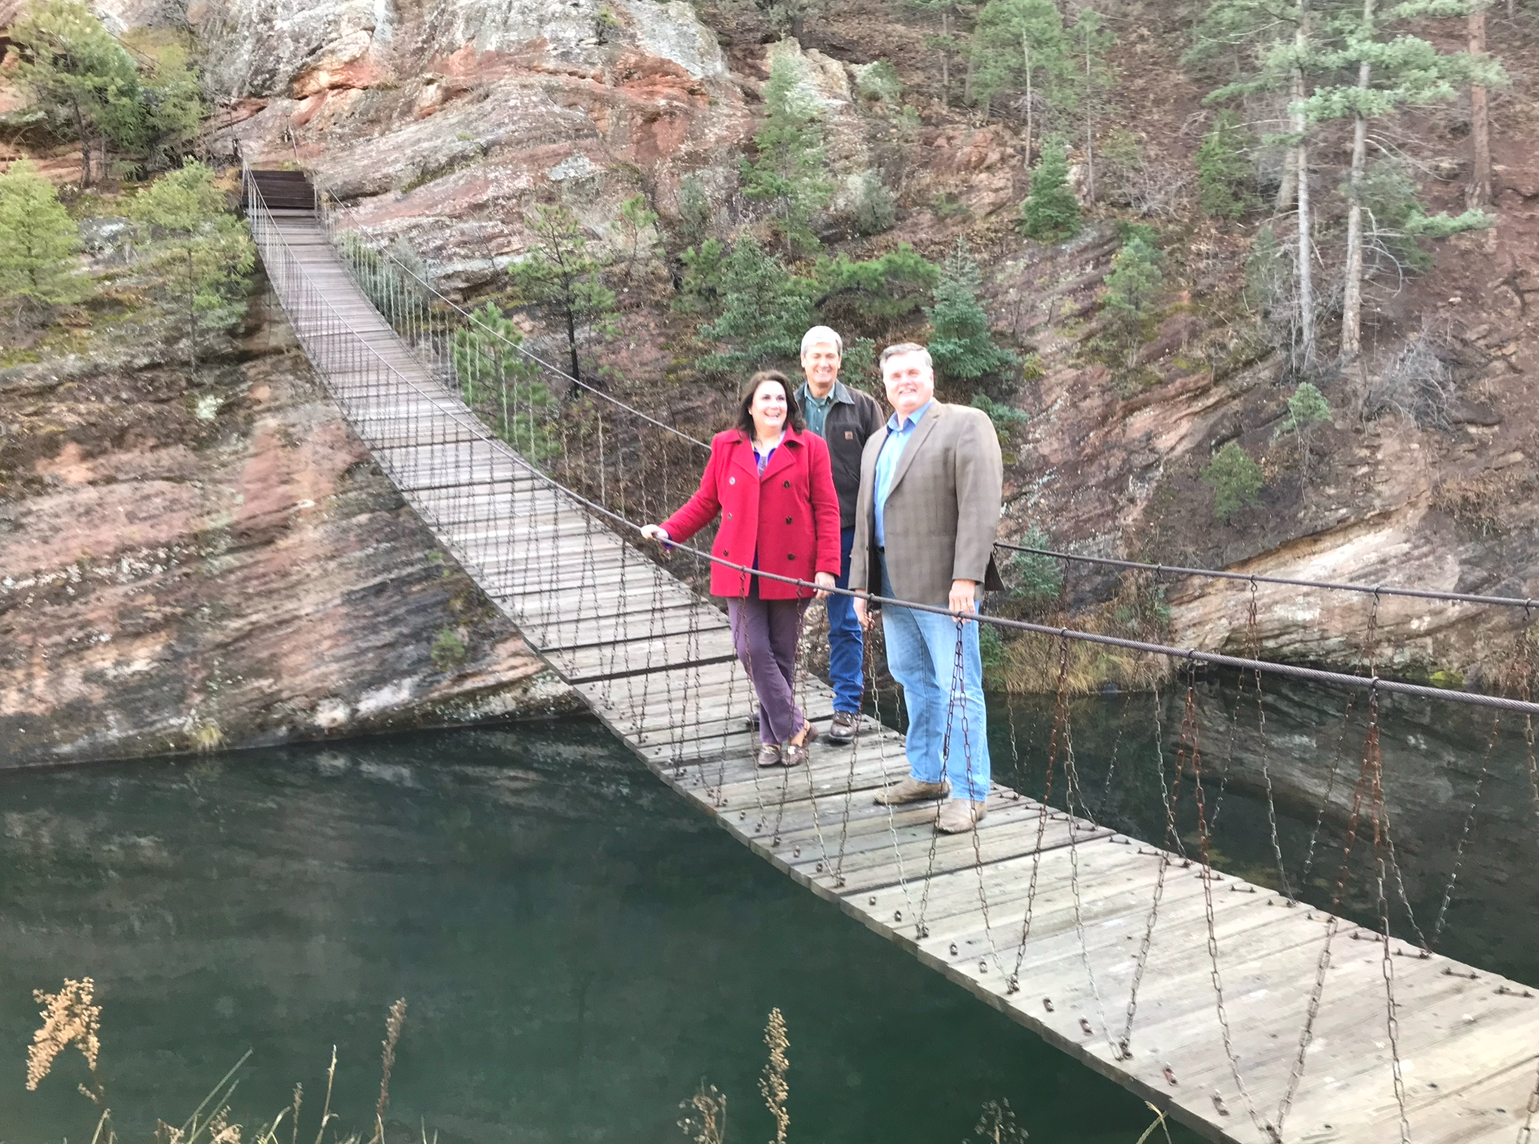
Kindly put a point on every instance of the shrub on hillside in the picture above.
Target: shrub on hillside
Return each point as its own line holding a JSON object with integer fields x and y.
{"x": 1235, "y": 479}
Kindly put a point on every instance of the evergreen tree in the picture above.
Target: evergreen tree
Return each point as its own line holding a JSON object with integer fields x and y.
{"x": 871, "y": 296}
{"x": 765, "y": 310}
{"x": 83, "y": 81}
{"x": 949, "y": 44}
{"x": 1021, "y": 45}
{"x": 1406, "y": 71}
{"x": 1133, "y": 288}
{"x": 1307, "y": 408}
{"x": 202, "y": 250}
{"x": 38, "y": 242}
{"x": 1050, "y": 212}
{"x": 1223, "y": 172}
{"x": 1092, "y": 82}
{"x": 636, "y": 233}
{"x": 172, "y": 94}
{"x": 961, "y": 345}
{"x": 1276, "y": 46}
{"x": 560, "y": 274}
{"x": 1235, "y": 479}
{"x": 788, "y": 173}
{"x": 492, "y": 371}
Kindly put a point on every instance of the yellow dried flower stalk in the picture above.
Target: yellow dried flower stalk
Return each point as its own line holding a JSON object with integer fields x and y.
{"x": 393, "y": 1022}
{"x": 773, "y": 1085}
{"x": 705, "y": 1115}
{"x": 70, "y": 1017}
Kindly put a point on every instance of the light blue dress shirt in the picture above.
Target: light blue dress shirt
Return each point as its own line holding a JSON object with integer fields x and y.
{"x": 898, "y": 433}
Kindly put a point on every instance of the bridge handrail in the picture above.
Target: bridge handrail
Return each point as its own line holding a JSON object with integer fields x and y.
{"x": 327, "y": 201}
{"x": 444, "y": 401}
{"x": 1527, "y": 605}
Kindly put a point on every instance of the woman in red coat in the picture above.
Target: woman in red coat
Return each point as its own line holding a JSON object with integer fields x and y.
{"x": 772, "y": 483}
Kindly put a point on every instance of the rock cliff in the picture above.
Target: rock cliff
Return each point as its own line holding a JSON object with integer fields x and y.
{"x": 190, "y": 564}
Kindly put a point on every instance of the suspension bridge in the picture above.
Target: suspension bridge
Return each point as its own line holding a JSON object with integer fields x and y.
{"x": 1245, "y": 1013}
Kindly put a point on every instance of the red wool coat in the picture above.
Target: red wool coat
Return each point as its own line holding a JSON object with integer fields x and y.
{"x": 789, "y": 517}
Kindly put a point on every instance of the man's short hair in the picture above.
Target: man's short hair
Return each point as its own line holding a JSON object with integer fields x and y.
{"x": 907, "y": 348}
{"x": 822, "y": 334}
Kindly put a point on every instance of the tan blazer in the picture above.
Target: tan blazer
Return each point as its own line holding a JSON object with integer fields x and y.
{"x": 942, "y": 510}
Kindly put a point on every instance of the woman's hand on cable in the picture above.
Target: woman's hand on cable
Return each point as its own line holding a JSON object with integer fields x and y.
{"x": 656, "y": 532}
{"x": 824, "y": 581}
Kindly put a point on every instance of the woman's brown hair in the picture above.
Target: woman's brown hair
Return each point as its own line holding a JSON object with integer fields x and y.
{"x": 794, "y": 416}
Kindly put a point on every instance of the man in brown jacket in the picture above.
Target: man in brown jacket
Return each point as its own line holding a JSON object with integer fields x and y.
{"x": 930, "y": 487}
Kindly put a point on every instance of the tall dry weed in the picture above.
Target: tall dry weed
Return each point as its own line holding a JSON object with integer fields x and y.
{"x": 705, "y": 1115}
{"x": 394, "y": 1019}
{"x": 70, "y": 1017}
{"x": 773, "y": 1085}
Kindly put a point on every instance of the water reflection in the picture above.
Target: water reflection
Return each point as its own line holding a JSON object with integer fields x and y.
{"x": 578, "y": 946}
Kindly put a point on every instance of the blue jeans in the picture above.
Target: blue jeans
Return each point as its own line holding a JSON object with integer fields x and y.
{"x": 846, "y": 642}
{"x": 921, "y": 654}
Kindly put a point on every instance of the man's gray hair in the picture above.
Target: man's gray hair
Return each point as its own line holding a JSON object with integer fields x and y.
{"x": 822, "y": 334}
{"x": 907, "y": 348}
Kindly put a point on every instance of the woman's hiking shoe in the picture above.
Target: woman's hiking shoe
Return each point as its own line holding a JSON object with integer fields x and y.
{"x": 842, "y": 729}
{"x": 796, "y": 754}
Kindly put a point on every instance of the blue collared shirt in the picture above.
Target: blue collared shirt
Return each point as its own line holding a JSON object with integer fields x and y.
{"x": 898, "y": 433}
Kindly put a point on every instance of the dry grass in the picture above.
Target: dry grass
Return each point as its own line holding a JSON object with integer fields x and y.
{"x": 1479, "y": 502}
{"x": 72, "y": 1017}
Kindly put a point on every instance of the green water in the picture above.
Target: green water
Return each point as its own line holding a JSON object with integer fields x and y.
{"x": 578, "y": 948}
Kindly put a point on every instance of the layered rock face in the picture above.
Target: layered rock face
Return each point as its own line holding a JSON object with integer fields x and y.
{"x": 440, "y": 122}
{"x": 186, "y": 564}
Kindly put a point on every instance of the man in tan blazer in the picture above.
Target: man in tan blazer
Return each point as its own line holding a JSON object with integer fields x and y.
{"x": 930, "y": 487}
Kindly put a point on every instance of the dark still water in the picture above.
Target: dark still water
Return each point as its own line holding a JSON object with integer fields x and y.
{"x": 578, "y": 948}
{"x": 1461, "y": 848}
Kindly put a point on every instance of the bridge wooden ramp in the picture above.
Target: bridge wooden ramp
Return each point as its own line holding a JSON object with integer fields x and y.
{"x": 654, "y": 661}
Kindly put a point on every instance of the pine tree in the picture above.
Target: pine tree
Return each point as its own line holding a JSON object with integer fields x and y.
{"x": 1021, "y": 45}
{"x": 172, "y": 93}
{"x": 788, "y": 173}
{"x": 948, "y": 44}
{"x": 1405, "y": 71}
{"x": 1223, "y": 172}
{"x": 636, "y": 232}
{"x": 1235, "y": 479}
{"x": 1050, "y": 212}
{"x": 1307, "y": 408}
{"x": 561, "y": 275}
{"x": 765, "y": 310}
{"x": 1092, "y": 82}
{"x": 38, "y": 242}
{"x": 961, "y": 345}
{"x": 492, "y": 371}
{"x": 1133, "y": 288}
{"x": 1277, "y": 45}
{"x": 870, "y": 296}
{"x": 202, "y": 250}
{"x": 83, "y": 80}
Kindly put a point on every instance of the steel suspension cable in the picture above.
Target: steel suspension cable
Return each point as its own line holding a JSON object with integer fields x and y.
{"x": 1285, "y": 581}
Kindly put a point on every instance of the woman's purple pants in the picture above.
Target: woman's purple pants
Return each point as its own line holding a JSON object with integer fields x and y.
{"x": 764, "y": 635}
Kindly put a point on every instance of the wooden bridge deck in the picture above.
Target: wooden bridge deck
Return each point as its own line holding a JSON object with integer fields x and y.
{"x": 653, "y": 660}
